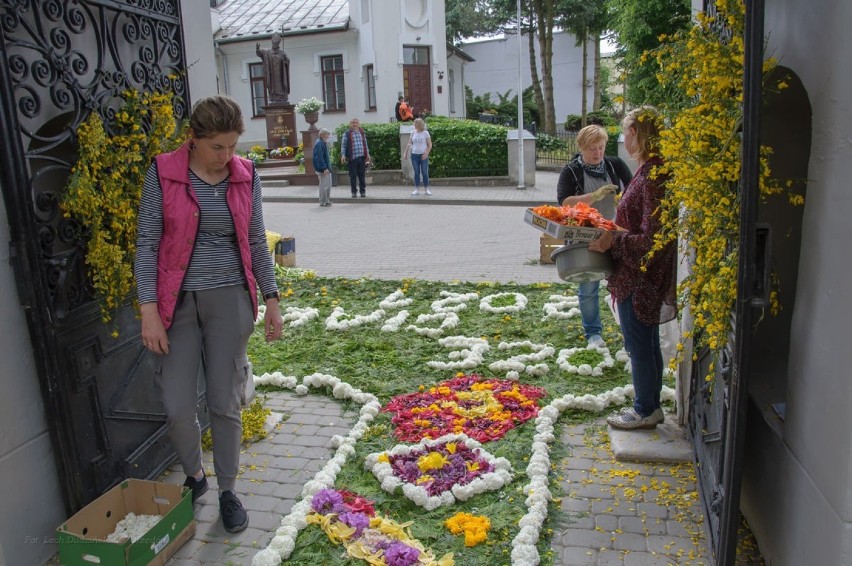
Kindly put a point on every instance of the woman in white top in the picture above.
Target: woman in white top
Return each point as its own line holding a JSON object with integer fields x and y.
{"x": 420, "y": 145}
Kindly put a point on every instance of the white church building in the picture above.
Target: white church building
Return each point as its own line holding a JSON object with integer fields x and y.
{"x": 357, "y": 56}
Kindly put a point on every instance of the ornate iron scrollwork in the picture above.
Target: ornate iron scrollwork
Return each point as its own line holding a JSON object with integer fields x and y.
{"x": 67, "y": 59}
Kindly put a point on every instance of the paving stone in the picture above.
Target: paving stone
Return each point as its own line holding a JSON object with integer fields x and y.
{"x": 642, "y": 525}
{"x": 585, "y": 538}
{"x": 259, "y": 502}
{"x": 608, "y": 523}
{"x": 613, "y": 507}
{"x": 666, "y": 544}
{"x": 629, "y": 541}
{"x": 289, "y": 463}
{"x": 647, "y": 559}
{"x": 577, "y": 555}
{"x": 611, "y": 557}
{"x": 574, "y": 504}
{"x": 652, "y": 510}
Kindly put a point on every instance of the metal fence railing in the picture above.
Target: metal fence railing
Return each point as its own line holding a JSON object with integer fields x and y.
{"x": 555, "y": 149}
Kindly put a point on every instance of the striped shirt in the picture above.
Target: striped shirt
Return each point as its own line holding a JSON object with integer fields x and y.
{"x": 215, "y": 260}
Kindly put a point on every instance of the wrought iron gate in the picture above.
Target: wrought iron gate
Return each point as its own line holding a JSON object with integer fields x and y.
{"x": 60, "y": 60}
{"x": 717, "y": 408}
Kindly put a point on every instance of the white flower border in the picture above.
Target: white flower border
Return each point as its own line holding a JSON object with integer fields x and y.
{"x": 448, "y": 320}
{"x": 284, "y": 541}
{"x": 453, "y": 302}
{"x": 394, "y": 323}
{"x": 517, "y": 364}
{"x": 520, "y": 303}
{"x": 395, "y": 300}
{"x": 490, "y": 481}
{"x": 557, "y": 305}
{"x": 538, "y": 493}
{"x": 584, "y": 369}
{"x": 333, "y": 321}
{"x": 467, "y": 353}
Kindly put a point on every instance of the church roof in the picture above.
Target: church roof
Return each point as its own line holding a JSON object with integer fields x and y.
{"x": 253, "y": 19}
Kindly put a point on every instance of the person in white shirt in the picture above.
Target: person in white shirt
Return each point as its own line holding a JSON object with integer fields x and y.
{"x": 419, "y": 146}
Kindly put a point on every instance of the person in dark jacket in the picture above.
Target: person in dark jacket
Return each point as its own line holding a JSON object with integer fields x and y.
{"x": 322, "y": 165}
{"x": 592, "y": 178}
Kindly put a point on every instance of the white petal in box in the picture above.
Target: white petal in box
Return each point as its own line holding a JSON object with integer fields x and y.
{"x": 561, "y": 231}
{"x": 82, "y": 538}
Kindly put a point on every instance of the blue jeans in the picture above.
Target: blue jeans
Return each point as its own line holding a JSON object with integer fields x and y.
{"x": 590, "y": 308}
{"x": 421, "y": 167}
{"x": 642, "y": 342}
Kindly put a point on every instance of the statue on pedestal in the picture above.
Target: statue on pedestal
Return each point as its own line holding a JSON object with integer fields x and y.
{"x": 276, "y": 71}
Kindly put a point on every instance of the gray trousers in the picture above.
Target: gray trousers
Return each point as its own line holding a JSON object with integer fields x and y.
{"x": 324, "y": 188}
{"x": 210, "y": 327}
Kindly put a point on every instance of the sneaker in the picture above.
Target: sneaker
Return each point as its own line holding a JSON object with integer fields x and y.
{"x": 363, "y": 195}
{"x": 415, "y": 192}
{"x": 328, "y": 204}
{"x": 629, "y": 419}
{"x": 595, "y": 341}
{"x": 354, "y": 195}
{"x": 659, "y": 415}
{"x": 199, "y": 487}
{"x": 234, "y": 517}
{"x": 428, "y": 192}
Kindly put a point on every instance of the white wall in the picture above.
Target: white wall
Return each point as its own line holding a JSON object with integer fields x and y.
{"x": 496, "y": 70}
{"x": 797, "y": 492}
{"x": 198, "y": 44}
{"x": 32, "y": 499}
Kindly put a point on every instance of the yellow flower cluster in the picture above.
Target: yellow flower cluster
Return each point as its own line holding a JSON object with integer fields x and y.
{"x": 474, "y": 527}
{"x": 106, "y": 183}
{"x": 702, "y": 152}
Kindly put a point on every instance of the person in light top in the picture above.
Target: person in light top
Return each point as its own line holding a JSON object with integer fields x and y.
{"x": 419, "y": 146}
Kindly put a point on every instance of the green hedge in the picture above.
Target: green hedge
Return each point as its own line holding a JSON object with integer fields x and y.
{"x": 461, "y": 148}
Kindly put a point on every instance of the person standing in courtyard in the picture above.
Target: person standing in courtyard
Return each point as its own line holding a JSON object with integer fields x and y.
{"x": 355, "y": 152}
{"x": 592, "y": 178}
{"x": 322, "y": 165}
{"x": 201, "y": 256}
{"x": 643, "y": 287}
{"x": 419, "y": 146}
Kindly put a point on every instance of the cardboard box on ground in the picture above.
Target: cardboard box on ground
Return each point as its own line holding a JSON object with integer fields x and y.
{"x": 82, "y": 538}
{"x": 283, "y": 248}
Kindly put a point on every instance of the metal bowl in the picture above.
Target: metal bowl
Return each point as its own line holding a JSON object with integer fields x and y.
{"x": 575, "y": 263}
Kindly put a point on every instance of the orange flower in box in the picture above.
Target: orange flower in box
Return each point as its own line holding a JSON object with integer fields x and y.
{"x": 581, "y": 214}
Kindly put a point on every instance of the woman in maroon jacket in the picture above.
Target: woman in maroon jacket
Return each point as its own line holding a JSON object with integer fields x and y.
{"x": 643, "y": 288}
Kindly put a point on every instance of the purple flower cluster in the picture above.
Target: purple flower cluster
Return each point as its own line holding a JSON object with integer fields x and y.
{"x": 400, "y": 554}
{"x": 455, "y": 472}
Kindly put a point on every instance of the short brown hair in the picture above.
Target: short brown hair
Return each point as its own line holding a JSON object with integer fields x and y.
{"x": 591, "y": 134}
{"x": 214, "y": 115}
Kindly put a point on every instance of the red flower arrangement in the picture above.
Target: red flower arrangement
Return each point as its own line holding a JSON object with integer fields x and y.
{"x": 483, "y": 409}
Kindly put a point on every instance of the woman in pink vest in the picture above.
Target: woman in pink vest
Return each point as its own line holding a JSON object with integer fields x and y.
{"x": 201, "y": 255}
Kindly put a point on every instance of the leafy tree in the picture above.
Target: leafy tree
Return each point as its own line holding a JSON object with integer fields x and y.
{"x": 586, "y": 20}
{"x": 472, "y": 18}
{"x": 638, "y": 25}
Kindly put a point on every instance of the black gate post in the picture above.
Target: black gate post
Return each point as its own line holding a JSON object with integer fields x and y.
{"x": 746, "y": 280}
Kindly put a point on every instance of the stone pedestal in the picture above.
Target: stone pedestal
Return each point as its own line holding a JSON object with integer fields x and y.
{"x": 309, "y": 138}
{"x": 280, "y": 125}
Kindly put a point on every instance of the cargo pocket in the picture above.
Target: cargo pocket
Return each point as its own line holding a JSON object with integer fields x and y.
{"x": 246, "y": 379}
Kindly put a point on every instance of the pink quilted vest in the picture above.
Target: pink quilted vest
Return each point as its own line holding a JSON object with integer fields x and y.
{"x": 180, "y": 224}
